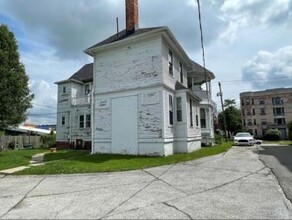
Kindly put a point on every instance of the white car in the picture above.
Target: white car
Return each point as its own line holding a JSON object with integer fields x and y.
{"x": 244, "y": 138}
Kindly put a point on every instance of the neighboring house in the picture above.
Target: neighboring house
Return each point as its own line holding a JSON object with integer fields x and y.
{"x": 74, "y": 109}
{"x": 262, "y": 110}
{"x": 147, "y": 95}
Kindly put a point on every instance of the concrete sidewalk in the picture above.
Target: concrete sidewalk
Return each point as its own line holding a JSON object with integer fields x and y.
{"x": 36, "y": 160}
{"x": 232, "y": 185}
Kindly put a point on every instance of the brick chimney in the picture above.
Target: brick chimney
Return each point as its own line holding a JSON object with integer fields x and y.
{"x": 131, "y": 16}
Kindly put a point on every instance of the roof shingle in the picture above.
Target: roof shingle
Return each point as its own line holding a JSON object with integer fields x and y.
{"x": 85, "y": 74}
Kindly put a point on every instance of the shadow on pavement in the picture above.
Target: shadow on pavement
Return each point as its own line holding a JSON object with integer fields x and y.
{"x": 282, "y": 153}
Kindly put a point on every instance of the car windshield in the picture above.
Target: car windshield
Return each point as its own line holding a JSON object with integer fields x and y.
{"x": 243, "y": 135}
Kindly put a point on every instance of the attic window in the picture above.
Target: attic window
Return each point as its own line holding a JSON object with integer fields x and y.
{"x": 64, "y": 89}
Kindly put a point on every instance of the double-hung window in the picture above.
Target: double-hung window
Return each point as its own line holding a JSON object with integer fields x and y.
{"x": 81, "y": 121}
{"x": 170, "y": 62}
{"x": 84, "y": 121}
{"x": 178, "y": 109}
{"x": 63, "y": 120}
{"x": 88, "y": 121}
{"x": 170, "y": 98}
{"x": 203, "y": 118}
{"x": 191, "y": 113}
{"x": 181, "y": 73}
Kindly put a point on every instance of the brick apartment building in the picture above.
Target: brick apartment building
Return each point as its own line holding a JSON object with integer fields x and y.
{"x": 262, "y": 110}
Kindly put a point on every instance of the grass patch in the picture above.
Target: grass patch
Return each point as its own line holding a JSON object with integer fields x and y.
{"x": 69, "y": 162}
{"x": 14, "y": 158}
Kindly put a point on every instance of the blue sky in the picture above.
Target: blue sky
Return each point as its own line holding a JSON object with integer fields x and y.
{"x": 248, "y": 43}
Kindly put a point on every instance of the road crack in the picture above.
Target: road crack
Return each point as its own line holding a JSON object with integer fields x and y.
{"x": 172, "y": 206}
{"x": 23, "y": 198}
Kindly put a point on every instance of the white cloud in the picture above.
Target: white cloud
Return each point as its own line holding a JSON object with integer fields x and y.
{"x": 269, "y": 69}
{"x": 245, "y": 14}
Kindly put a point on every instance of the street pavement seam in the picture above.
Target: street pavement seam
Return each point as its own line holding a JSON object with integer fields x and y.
{"x": 24, "y": 197}
{"x": 140, "y": 190}
{"x": 159, "y": 179}
{"x": 78, "y": 191}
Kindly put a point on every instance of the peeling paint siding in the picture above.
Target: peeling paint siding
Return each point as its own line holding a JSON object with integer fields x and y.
{"x": 150, "y": 116}
{"x": 138, "y": 65}
{"x": 102, "y": 123}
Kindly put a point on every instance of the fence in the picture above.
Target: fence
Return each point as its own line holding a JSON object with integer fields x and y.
{"x": 20, "y": 141}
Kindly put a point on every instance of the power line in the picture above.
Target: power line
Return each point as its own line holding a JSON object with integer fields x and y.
{"x": 43, "y": 105}
{"x": 35, "y": 114}
{"x": 258, "y": 80}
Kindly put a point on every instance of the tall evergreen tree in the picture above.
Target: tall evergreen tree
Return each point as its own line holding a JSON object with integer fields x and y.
{"x": 15, "y": 96}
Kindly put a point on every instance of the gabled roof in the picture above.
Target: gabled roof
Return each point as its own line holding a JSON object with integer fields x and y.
{"x": 122, "y": 35}
{"x": 85, "y": 74}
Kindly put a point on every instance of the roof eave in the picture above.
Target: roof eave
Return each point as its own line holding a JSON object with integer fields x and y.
{"x": 69, "y": 80}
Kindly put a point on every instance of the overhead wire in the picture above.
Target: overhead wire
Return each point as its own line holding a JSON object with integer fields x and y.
{"x": 202, "y": 47}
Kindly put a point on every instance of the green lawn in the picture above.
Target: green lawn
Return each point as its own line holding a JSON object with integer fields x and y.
{"x": 67, "y": 162}
{"x": 15, "y": 158}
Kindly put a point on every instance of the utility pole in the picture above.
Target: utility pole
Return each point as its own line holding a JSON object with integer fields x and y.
{"x": 223, "y": 112}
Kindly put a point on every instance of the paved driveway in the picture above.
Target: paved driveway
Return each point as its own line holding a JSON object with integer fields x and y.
{"x": 232, "y": 185}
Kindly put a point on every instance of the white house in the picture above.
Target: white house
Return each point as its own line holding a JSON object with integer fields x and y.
{"x": 146, "y": 95}
{"x": 74, "y": 110}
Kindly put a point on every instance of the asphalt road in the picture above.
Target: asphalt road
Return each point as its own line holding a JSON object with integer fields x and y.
{"x": 279, "y": 160}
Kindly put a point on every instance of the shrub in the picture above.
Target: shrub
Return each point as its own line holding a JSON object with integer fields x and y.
{"x": 11, "y": 145}
{"x": 48, "y": 140}
{"x": 272, "y": 135}
{"x": 218, "y": 138}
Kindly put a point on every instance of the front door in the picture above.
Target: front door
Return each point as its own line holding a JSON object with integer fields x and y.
{"x": 124, "y": 125}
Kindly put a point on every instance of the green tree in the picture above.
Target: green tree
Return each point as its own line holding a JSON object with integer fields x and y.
{"x": 15, "y": 96}
{"x": 232, "y": 116}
